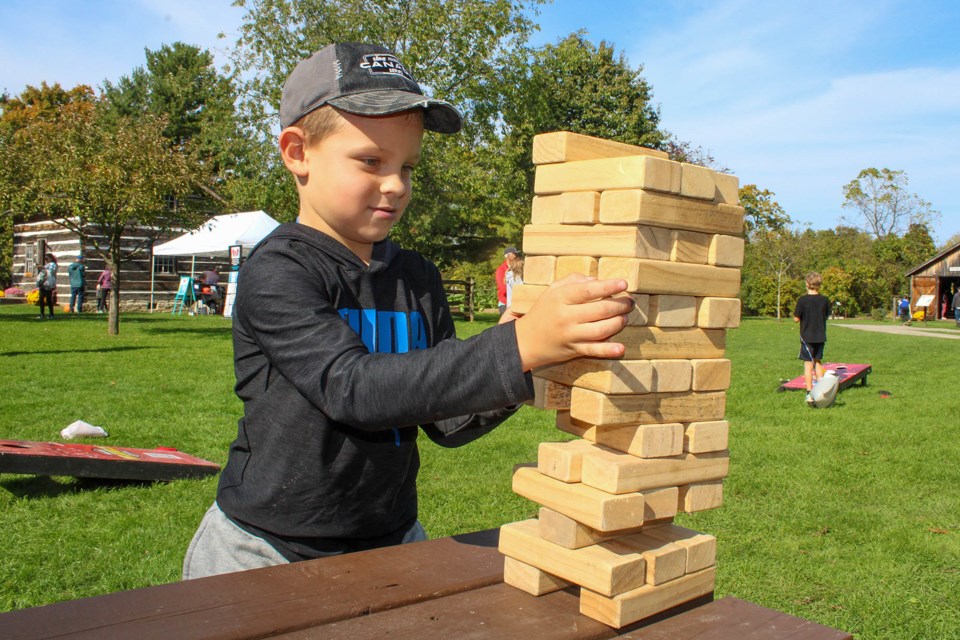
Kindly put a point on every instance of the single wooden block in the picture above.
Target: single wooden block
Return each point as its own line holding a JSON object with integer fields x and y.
{"x": 660, "y": 503}
{"x": 528, "y": 578}
{"x": 701, "y": 547}
{"x": 567, "y": 532}
{"x": 697, "y": 182}
{"x": 690, "y": 246}
{"x": 564, "y": 146}
{"x": 575, "y": 427}
{"x": 633, "y": 206}
{"x": 627, "y": 172}
{"x": 573, "y": 207}
{"x": 603, "y": 376}
{"x": 643, "y": 440}
{"x": 546, "y": 210}
{"x": 703, "y": 437}
{"x": 539, "y": 270}
{"x": 597, "y": 240}
{"x": 594, "y": 508}
{"x": 584, "y": 265}
{"x": 665, "y": 560}
{"x": 647, "y": 343}
{"x": 620, "y": 473}
{"x": 692, "y": 406}
{"x": 639, "y": 316}
{"x": 718, "y": 313}
{"x": 677, "y": 278}
{"x": 606, "y": 571}
{"x": 550, "y": 395}
{"x": 672, "y": 311}
{"x": 671, "y": 376}
{"x": 647, "y": 600}
{"x": 700, "y": 496}
{"x": 524, "y": 296}
{"x": 562, "y": 460}
{"x": 580, "y": 207}
{"x": 710, "y": 374}
{"x": 728, "y": 188}
{"x": 725, "y": 251}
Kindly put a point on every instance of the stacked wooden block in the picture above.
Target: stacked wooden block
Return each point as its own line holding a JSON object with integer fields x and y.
{"x": 652, "y": 435}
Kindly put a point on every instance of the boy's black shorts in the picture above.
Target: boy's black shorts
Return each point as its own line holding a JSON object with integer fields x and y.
{"x": 811, "y": 351}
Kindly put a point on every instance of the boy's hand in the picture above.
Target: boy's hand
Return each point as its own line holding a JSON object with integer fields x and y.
{"x": 574, "y": 317}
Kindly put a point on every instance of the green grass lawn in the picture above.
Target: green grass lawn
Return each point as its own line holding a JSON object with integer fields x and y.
{"x": 849, "y": 516}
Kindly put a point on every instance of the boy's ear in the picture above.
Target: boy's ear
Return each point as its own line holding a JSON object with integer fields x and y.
{"x": 293, "y": 144}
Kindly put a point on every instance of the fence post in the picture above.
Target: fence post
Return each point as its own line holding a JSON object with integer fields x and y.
{"x": 469, "y": 299}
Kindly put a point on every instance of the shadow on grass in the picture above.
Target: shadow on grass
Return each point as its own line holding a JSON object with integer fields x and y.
{"x": 11, "y": 354}
{"x": 39, "y": 487}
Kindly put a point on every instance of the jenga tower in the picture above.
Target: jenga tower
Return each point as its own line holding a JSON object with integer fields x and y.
{"x": 653, "y": 440}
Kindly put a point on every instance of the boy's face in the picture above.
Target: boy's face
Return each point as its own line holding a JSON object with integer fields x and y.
{"x": 357, "y": 183}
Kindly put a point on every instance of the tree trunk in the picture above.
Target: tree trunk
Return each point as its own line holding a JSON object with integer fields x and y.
{"x": 113, "y": 319}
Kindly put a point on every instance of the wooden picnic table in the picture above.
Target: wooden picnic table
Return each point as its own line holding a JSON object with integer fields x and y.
{"x": 444, "y": 588}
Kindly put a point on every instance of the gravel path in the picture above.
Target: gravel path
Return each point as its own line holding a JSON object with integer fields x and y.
{"x": 931, "y": 332}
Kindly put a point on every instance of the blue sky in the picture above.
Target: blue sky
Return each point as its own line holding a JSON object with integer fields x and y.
{"x": 796, "y": 97}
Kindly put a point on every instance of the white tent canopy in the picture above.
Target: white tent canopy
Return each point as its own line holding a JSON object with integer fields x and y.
{"x": 214, "y": 237}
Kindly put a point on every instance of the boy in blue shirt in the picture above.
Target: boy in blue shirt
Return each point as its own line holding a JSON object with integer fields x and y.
{"x": 344, "y": 347}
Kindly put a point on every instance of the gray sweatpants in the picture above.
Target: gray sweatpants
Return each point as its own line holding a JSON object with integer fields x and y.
{"x": 220, "y": 546}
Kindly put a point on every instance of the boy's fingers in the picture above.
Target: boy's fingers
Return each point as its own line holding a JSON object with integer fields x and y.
{"x": 579, "y": 290}
{"x": 600, "y": 349}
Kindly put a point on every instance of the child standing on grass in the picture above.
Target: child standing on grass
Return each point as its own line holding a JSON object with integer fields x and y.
{"x": 812, "y": 312}
{"x": 344, "y": 347}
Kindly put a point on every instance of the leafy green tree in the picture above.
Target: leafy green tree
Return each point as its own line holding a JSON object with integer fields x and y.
{"x": 838, "y": 287}
{"x": 181, "y": 84}
{"x": 105, "y": 182}
{"x": 771, "y": 271}
{"x": 762, "y": 213}
{"x": 35, "y": 105}
{"x": 883, "y": 205}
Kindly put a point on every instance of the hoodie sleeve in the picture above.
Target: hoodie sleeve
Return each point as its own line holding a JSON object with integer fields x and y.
{"x": 287, "y": 320}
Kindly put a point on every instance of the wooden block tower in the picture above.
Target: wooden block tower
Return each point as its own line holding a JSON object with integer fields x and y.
{"x": 652, "y": 435}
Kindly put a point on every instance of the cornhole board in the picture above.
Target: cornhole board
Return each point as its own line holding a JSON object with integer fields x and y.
{"x": 847, "y": 373}
{"x": 100, "y": 461}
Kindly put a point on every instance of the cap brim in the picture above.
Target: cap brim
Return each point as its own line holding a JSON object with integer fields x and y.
{"x": 438, "y": 115}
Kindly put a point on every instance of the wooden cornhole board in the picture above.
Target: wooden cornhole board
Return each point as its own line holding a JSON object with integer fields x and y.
{"x": 847, "y": 373}
{"x": 100, "y": 461}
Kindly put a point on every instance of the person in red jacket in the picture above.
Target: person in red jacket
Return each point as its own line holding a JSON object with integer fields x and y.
{"x": 509, "y": 255}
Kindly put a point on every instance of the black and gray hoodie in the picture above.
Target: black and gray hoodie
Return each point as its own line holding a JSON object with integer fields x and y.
{"x": 338, "y": 364}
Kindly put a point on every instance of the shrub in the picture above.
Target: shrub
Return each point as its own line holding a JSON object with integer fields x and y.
{"x": 878, "y": 313}
{"x": 34, "y": 297}
{"x": 14, "y": 291}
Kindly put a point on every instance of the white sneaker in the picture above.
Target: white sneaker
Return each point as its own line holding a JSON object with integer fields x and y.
{"x": 809, "y": 400}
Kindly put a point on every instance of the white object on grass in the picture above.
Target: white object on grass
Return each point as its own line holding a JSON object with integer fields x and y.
{"x": 81, "y": 429}
{"x": 824, "y": 393}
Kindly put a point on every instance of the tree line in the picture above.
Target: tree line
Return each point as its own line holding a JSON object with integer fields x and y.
{"x": 179, "y": 140}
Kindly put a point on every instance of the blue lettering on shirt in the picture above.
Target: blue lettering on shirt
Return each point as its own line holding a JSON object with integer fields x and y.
{"x": 387, "y": 331}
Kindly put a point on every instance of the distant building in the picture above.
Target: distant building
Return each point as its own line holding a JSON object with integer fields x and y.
{"x": 31, "y": 240}
{"x": 937, "y": 277}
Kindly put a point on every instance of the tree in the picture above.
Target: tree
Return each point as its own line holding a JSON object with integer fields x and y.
{"x": 883, "y": 204}
{"x": 762, "y": 213}
{"x": 103, "y": 180}
{"x": 181, "y": 84}
{"x": 35, "y": 105}
{"x": 771, "y": 272}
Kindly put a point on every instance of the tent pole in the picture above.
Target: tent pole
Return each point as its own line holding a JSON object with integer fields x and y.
{"x": 153, "y": 262}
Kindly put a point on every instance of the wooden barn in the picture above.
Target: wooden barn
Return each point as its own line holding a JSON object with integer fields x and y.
{"x": 938, "y": 278}
{"x": 31, "y": 240}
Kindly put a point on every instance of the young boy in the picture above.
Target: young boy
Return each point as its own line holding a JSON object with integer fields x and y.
{"x": 344, "y": 347}
{"x": 811, "y": 312}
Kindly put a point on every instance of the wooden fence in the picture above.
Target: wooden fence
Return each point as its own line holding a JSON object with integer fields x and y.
{"x": 460, "y": 296}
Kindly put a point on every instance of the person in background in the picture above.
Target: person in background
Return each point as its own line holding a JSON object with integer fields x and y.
{"x": 509, "y": 255}
{"x": 78, "y": 274}
{"x": 209, "y": 290}
{"x": 514, "y": 277}
{"x": 812, "y": 312}
{"x": 904, "y": 309}
{"x": 104, "y": 286}
{"x": 956, "y": 304}
{"x": 47, "y": 283}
